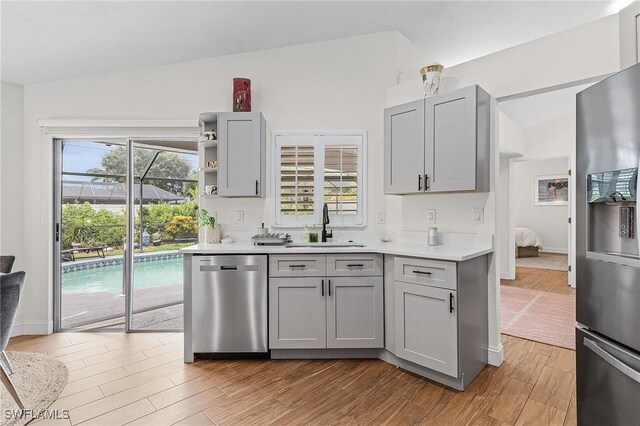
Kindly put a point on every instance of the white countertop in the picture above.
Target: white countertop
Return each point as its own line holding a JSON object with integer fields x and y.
{"x": 456, "y": 253}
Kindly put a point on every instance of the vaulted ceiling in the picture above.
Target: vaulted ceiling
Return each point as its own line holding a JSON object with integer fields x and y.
{"x": 44, "y": 41}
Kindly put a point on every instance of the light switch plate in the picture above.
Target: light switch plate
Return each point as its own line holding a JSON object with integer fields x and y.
{"x": 431, "y": 216}
{"x": 478, "y": 215}
{"x": 380, "y": 216}
{"x": 239, "y": 216}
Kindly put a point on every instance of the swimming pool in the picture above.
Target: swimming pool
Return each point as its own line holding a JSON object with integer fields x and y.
{"x": 150, "y": 274}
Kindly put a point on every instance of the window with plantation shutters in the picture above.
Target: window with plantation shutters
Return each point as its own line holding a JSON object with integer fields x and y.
{"x": 316, "y": 168}
{"x": 296, "y": 180}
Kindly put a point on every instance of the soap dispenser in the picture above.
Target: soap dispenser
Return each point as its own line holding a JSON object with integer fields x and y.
{"x": 305, "y": 234}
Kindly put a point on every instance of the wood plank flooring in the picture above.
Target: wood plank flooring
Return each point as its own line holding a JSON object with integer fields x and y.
{"x": 542, "y": 280}
{"x": 140, "y": 379}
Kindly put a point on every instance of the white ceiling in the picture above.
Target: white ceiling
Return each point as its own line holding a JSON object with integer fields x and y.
{"x": 538, "y": 109}
{"x": 43, "y": 41}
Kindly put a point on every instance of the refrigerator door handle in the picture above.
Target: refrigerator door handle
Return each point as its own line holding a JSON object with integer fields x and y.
{"x": 615, "y": 362}
{"x": 636, "y": 232}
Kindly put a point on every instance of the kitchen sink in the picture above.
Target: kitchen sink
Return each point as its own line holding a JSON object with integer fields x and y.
{"x": 324, "y": 245}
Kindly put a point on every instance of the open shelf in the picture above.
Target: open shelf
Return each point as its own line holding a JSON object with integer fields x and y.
{"x": 206, "y": 143}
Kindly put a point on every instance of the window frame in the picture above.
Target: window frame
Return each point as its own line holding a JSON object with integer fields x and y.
{"x": 321, "y": 139}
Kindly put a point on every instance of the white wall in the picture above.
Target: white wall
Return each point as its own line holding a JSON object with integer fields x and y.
{"x": 579, "y": 53}
{"x": 549, "y": 222}
{"x": 330, "y": 85}
{"x": 11, "y": 178}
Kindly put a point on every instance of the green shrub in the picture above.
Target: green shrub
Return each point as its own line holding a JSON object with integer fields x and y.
{"x": 88, "y": 226}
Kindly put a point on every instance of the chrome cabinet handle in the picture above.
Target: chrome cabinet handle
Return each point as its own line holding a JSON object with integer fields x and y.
{"x": 615, "y": 362}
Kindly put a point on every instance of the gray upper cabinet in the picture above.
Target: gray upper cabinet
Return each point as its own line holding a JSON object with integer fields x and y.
{"x": 355, "y": 314}
{"x": 404, "y": 148}
{"x": 297, "y": 313}
{"x": 241, "y": 154}
{"x": 450, "y": 141}
{"x": 427, "y": 327}
{"x": 454, "y": 142}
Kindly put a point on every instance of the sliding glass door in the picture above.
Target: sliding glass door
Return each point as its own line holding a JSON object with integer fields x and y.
{"x": 111, "y": 195}
{"x": 165, "y": 198}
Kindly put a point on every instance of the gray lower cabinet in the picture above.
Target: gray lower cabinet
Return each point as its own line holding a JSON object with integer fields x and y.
{"x": 439, "y": 328}
{"x": 355, "y": 312}
{"x": 427, "y": 331}
{"x": 341, "y": 309}
{"x": 297, "y": 313}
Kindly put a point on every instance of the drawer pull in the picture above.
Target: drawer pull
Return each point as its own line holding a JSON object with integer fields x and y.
{"x": 422, "y": 272}
{"x": 356, "y": 265}
{"x": 297, "y": 266}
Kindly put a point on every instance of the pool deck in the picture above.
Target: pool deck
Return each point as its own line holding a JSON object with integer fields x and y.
{"x": 155, "y": 308}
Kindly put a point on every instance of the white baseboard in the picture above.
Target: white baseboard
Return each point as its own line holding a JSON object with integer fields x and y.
{"x": 496, "y": 355}
{"x": 506, "y": 276}
{"x": 554, "y": 250}
{"x": 32, "y": 328}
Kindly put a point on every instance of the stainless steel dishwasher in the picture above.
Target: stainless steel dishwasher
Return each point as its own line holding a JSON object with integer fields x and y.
{"x": 229, "y": 300}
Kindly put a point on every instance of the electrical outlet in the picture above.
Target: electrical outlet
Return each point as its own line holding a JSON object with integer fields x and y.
{"x": 380, "y": 216}
{"x": 431, "y": 216}
{"x": 239, "y": 216}
{"x": 478, "y": 215}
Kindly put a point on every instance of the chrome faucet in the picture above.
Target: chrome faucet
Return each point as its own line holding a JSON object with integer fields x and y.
{"x": 325, "y": 222}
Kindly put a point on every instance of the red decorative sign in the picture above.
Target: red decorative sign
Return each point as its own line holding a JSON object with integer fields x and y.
{"x": 241, "y": 95}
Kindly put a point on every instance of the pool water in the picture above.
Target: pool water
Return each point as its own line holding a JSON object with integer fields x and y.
{"x": 156, "y": 273}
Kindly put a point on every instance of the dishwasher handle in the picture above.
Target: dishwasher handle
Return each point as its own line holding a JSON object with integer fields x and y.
{"x": 228, "y": 268}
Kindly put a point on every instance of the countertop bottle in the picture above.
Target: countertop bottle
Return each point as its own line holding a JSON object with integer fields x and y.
{"x": 305, "y": 234}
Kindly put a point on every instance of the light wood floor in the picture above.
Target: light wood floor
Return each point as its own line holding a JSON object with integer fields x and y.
{"x": 542, "y": 280}
{"x": 116, "y": 378}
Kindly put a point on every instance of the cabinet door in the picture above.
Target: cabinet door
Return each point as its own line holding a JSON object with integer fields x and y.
{"x": 240, "y": 150}
{"x": 355, "y": 313}
{"x": 404, "y": 148}
{"x": 427, "y": 327}
{"x": 450, "y": 141}
{"x": 297, "y": 313}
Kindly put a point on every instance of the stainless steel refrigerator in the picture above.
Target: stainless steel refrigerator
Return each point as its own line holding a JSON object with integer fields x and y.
{"x": 608, "y": 249}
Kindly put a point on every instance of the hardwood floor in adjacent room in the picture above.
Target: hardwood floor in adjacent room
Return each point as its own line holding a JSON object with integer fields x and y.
{"x": 117, "y": 378}
{"x": 539, "y": 305}
{"x": 547, "y": 280}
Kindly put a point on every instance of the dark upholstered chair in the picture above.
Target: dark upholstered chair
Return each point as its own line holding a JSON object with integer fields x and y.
{"x": 10, "y": 291}
{"x": 6, "y": 263}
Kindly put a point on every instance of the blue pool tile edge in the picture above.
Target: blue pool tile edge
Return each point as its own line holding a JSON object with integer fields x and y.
{"x": 82, "y": 265}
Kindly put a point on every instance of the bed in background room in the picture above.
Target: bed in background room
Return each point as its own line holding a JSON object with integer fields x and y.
{"x": 528, "y": 244}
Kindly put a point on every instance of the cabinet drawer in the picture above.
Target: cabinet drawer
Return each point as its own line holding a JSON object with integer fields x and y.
{"x": 357, "y": 265}
{"x": 426, "y": 272}
{"x": 297, "y": 265}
